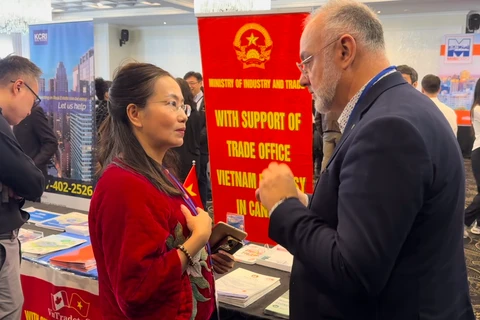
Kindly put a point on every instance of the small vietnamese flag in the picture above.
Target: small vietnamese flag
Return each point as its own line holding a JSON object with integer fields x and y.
{"x": 80, "y": 305}
{"x": 191, "y": 185}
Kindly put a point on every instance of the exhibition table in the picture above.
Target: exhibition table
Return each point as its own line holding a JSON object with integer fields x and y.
{"x": 54, "y": 293}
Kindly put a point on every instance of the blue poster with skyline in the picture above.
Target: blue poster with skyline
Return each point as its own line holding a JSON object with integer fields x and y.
{"x": 64, "y": 52}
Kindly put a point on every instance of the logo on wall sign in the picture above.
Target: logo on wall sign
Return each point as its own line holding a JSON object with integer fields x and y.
{"x": 458, "y": 49}
{"x": 253, "y": 46}
{"x": 60, "y": 300}
{"x": 40, "y": 37}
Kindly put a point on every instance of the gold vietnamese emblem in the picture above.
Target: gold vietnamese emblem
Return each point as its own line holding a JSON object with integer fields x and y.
{"x": 253, "y": 45}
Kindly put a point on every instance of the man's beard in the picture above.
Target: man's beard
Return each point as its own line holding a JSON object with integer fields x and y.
{"x": 325, "y": 93}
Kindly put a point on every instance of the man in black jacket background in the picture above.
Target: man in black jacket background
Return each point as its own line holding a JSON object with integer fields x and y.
{"x": 19, "y": 177}
{"x": 37, "y": 139}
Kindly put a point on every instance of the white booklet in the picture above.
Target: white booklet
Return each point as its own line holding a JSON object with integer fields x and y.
{"x": 250, "y": 253}
{"x": 278, "y": 258}
{"x": 242, "y": 287}
{"x": 280, "y": 307}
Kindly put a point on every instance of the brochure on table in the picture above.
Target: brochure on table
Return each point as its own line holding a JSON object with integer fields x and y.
{"x": 50, "y": 244}
{"x": 39, "y": 216}
{"x": 61, "y": 222}
{"x": 242, "y": 287}
{"x": 45, "y": 260}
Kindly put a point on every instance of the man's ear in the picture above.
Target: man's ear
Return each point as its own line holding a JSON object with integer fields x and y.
{"x": 415, "y": 84}
{"x": 134, "y": 115}
{"x": 16, "y": 87}
{"x": 348, "y": 47}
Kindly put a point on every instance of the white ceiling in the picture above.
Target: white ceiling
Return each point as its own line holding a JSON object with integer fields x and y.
{"x": 137, "y": 13}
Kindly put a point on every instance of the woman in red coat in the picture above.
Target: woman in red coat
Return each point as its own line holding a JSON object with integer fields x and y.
{"x": 149, "y": 240}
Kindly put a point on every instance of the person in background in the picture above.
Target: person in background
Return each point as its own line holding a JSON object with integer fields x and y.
{"x": 331, "y": 136}
{"x": 101, "y": 110}
{"x": 472, "y": 212}
{"x": 20, "y": 178}
{"x": 381, "y": 237}
{"x": 195, "y": 81}
{"x": 149, "y": 240}
{"x": 317, "y": 141}
{"x": 37, "y": 139}
{"x": 431, "y": 88}
{"x": 409, "y": 74}
{"x": 190, "y": 149}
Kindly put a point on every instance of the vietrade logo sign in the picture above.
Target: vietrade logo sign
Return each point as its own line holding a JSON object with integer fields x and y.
{"x": 459, "y": 49}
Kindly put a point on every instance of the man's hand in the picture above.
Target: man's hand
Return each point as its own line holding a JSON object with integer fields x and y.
{"x": 303, "y": 197}
{"x": 277, "y": 183}
{"x": 12, "y": 194}
{"x": 222, "y": 262}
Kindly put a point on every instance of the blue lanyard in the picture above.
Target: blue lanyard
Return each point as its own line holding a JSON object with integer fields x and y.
{"x": 368, "y": 87}
{"x": 190, "y": 204}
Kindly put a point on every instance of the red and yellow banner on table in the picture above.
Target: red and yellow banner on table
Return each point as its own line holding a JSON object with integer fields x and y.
{"x": 55, "y": 294}
{"x": 257, "y": 112}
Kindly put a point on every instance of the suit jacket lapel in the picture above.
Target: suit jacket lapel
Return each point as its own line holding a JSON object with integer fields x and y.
{"x": 386, "y": 83}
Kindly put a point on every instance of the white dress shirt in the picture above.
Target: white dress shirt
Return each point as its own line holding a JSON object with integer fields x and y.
{"x": 347, "y": 112}
{"x": 476, "y": 126}
{"x": 449, "y": 113}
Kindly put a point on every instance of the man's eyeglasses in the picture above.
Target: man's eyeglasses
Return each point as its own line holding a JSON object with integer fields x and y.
{"x": 37, "y": 98}
{"x": 302, "y": 66}
{"x": 192, "y": 83}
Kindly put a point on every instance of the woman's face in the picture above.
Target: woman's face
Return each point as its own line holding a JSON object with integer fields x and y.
{"x": 163, "y": 120}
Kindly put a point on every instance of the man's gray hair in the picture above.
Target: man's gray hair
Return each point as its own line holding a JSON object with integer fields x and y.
{"x": 13, "y": 67}
{"x": 354, "y": 18}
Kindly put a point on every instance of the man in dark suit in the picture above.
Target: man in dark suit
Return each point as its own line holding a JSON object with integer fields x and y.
{"x": 37, "y": 139}
{"x": 381, "y": 237}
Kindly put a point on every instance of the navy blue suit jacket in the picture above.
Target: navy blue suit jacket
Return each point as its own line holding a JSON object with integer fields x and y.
{"x": 382, "y": 238}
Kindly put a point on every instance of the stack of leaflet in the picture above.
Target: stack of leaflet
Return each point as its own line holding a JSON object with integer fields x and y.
{"x": 279, "y": 308}
{"x": 39, "y": 216}
{"x": 25, "y": 235}
{"x": 61, "y": 222}
{"x": 43, "y": 246}
{"x": 277, "y": 258}
{"x": 80, "y": 229}
{"x": 81, "y": 260}
{"x": 241, "y": 287}
{"x": 250, "y": 253}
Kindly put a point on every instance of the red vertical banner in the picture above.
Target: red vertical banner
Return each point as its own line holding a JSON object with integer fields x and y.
{"x": 256, "y": 110}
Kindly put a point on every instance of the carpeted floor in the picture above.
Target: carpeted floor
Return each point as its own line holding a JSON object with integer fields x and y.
{"x": 472, "y": 245}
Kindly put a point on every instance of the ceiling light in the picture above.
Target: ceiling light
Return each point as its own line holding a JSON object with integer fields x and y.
{"x": 209, "y": 6}
{"x": 379, "y": 11}
{"x": 164, "y": 22}
{"x": 98, "y": 6}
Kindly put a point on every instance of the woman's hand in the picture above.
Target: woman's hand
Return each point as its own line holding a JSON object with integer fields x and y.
{"x": 200, "y": 225}
{"x": 222, "y": 262}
